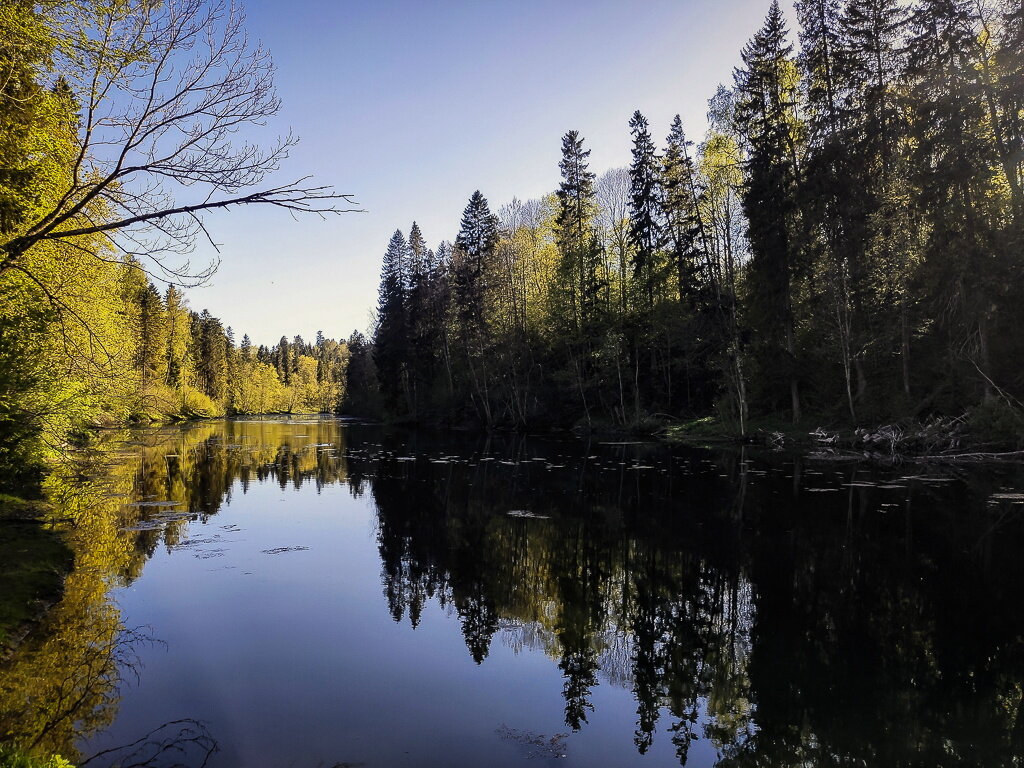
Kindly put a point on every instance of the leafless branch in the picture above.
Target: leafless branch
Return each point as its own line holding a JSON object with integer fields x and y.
{"x": 165, "y": 91}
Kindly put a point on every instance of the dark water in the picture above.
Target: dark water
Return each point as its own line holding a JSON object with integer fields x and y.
{"x": 306, "y": 593}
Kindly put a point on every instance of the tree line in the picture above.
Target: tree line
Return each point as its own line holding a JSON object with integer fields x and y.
{"x": 843, "y": 243}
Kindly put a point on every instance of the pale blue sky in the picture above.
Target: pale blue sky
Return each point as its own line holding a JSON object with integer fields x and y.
{"x": 411, "y": 106}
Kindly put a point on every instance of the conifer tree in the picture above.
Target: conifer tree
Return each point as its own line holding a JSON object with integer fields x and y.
{"x": 151, "y": 358}
{"x": 283, "y": 361}
{"x": 177, "y": 335}
{"x": 953, "y": 172}
{"x": 686, "y": 238}
{"x": 475, "y": 244}
{"x": 417, "y": 257}
{"x": 877, "y": 226}
{"x": 832, "y": 229}
{"x": 390, "y": 344}
{"x": 766, "y": 87}
{"x": 578, "y": 244}
{"x": 645, "y": 215}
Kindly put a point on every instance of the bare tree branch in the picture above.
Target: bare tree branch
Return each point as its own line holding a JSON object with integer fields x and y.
{"x": 164, "y": 92}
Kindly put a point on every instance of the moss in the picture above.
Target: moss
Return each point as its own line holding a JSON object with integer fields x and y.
{"x": 33, "y": 562}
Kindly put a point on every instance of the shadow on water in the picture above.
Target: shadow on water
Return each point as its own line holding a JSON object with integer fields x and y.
{"x": 788, "y": 611}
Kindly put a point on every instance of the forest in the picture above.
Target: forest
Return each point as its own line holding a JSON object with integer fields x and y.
{"x": 842, "y": 246}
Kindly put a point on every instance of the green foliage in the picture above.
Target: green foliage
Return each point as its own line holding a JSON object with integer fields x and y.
{"x": 995, "y": 420}
{"x": 12, "y": 758}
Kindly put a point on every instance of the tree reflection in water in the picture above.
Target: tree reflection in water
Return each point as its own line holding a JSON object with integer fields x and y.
{"x": 736, "y": 600}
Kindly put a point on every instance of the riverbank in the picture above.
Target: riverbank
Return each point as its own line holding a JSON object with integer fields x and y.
{"x": 988, "y": 432}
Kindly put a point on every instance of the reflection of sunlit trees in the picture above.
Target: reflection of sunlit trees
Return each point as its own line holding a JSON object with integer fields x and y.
{"x": 767, "y": 629}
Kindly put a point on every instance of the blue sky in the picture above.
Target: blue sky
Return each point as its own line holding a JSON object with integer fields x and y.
{"x": 411, "y": 105}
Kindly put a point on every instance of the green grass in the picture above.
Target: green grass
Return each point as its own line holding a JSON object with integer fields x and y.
{"x": 33, "y": 563}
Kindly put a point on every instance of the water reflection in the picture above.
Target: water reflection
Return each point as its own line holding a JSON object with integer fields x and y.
{"x": 788, "y": 612}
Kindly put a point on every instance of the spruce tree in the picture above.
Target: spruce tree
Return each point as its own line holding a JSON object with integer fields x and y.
{"x": 832, "y": 228}
{"x": 578, "y": 244}
{"x": 417, "y": 257}
{"x": 766, "y": 119}
{"x": 176, "y": 312}
{"x": 686, "y": 237}
{"x": 645, "y": 215}
{"x": 475, "y": 243}
{"x": 151, "y": 358}
{"x": 283, "y": 361}
{"x": 953, "y": 174}
{"x": 391, "y": 340}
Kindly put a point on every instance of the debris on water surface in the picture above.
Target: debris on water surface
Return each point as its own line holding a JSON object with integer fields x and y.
{"x": 1015, "y": 498}
{"x": 156, "y": 504}
{"x": 540, "y": 746}
{"x": 207, "y": 554}
{"x": 526, "y": 513}
{"x": 279, "y": 550}
{"x": 159, "y": 520}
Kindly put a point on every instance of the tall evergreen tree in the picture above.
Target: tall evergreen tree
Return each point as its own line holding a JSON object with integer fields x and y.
{"x": 151, "y": 349}
{"x": 645, "y": 215}
{"x": 475, "y": 244}
{"x": 417, "y": 257}
{"x": 877, "y": 223}
{"x": 832, "y": 230}
{"x": 391, "y": 340}
{"x": 767, "y": 96}
{"x": 578, "y": 244}
{"x": 177, "y": 335}
{"x": 953, "y": 173}
{"x": 283, "y": 360}
{"x": 686, "y": 237}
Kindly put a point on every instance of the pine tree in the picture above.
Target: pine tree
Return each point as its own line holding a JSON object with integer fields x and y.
{"x": 391, "y": 340}
{"x": 766, "y": 89}
{"x": 417, "y": 257}
{"x": 580, "y": 281}
{"x": 177, "y": 335}
{"x": 423, "y": 325}
{"x": 876, "y": 219}
{"x": 687, "y": 240}
{"x": 209, "y": 354}
{"x": 645, "y": 215}
{"x": 475, "y": 244}
{"x": 833, "y": 227}
{"x": 151, "y": 357}
{"x": 953, "y": 173}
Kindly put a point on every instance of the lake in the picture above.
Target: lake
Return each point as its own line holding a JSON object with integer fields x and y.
{"x": 309, "y": 592}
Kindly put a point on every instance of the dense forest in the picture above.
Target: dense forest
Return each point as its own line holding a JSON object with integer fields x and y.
{"x": 844, "y": 244}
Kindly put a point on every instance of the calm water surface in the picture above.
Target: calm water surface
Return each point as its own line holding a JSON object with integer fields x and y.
{"x": 309, "y": 593}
